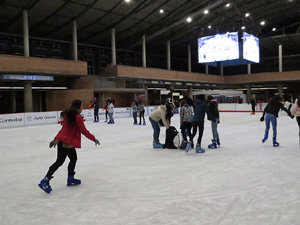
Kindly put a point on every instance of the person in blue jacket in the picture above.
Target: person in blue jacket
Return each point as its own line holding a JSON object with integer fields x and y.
{"x": 198, "y": 122}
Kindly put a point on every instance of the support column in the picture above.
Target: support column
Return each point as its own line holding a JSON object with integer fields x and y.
{"x": 169, "y": 54}
{"x": 267, "y": 95}
{"x": 249, "y": 68}
{"x": 146, "y": 96}
{"x": 280, "y": 90}
{"x": 190, "y": 92}
{"x": 13, "y": 102}
{"x": 26, "y": 33}
{"x": 113, "y": 47}
{"x": 248, "y": 93}
{"x": 280, "y": 57}
{"x": 28, "y": 104}
{"x": 75, "y": 51}
{"x": 221, "y": 70}
{"x": 206, "y": 69}
{"x": 144, "y": 51}
{"x": 189, "y": 59}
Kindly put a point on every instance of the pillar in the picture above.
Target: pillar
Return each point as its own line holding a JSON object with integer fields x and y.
{"x": 280, "y": 90}
{"x": 248, "y": 93}
{"x": 249, "y": 68}
{"x": 75, "y": 51}
{"x": 28, "y": 103}
{"x": 13, "y": 101}
{"x": 190, "y": 92}
{"x": 206, "y": 69}
{"x": 113, "y": 47}
{"x": 280, "y": 57}
{"x": 189, "y": 59}
{"x": 146, "y": 96}
{"x": 25, "y": 33}
{"x": 221, "y": 70}
{"x": 169, "y": 54}
{"x": 144, "y": 51}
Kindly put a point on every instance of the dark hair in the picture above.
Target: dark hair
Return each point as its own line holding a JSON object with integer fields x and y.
{"x": 209, "y": 98}
{"x": 169, "y": 113}
{"x": 201, "y": 97}
{"x": 70, "y": 113}
{"x": 276, "y": 99}
{"x": 298, "y": 100}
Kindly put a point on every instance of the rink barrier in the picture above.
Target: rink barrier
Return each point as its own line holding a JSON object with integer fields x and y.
{"x": 43, "y": 118}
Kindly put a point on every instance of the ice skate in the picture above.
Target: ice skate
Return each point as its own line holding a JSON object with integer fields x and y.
{"x": 45, "y": 186}
{"x": 213, "y": 144}
{"x": 183, "y": 144}
{"x": 199, "y": 149}
{"x": 265, "y": 138}
{"x": 157, "y": 145}
{"x": 72, "y": 181}
{"x": 218, "y": 142}
{"x": 139, "y": 123}
{"x": 188, "y": 146}
{"x": 275, "y": 143}
{"x": 144, "y": 123}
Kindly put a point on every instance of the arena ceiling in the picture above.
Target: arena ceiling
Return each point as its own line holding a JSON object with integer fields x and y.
{"x": 52, "y": 19}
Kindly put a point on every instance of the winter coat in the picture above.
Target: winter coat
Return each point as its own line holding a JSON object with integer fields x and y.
{"x": 141, "y": 107}
{"x": 295, "y": 110}
{"x": 110, "y": 108}
{"x": 186, "y": 113}
{"x": 134, "y": 108}
{"x": 200, "y": 109}
{"x": 160, "y": 114}
{"x": 72, "y": 135}
{"x": 213, "y": 108}
{"x": 274, "y": 109}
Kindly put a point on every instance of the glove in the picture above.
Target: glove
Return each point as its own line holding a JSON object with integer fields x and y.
{"x": 292, "y": 116}
{"x": 97, "y": 142}
{"x": 52, "y": 144}
{"x": 262, "y": 119}
{"x": 218, "y": 121}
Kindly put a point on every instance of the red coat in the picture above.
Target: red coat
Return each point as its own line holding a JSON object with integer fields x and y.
{"x": 72, "y": 135}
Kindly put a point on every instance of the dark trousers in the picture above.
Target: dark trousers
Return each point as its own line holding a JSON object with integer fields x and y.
{"x": 200, "y": 126}
{"x": 62, "y": 153}
{"x": 186, "y": 126}
{"x": 298, "y": 121}
{"x": 142, "y": 115}
{"x": 253, "y": 107}
{"x": 96, "y": 115}
{"x": 106, "y": 114}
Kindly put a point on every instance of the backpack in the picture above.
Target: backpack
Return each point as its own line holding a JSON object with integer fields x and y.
{"x": 172, "y": 138}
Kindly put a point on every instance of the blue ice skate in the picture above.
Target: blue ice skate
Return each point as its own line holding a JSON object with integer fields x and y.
{"x": 157, "y": 145}
{"x": 144, "y": 123}
{"x": 199, "y": 149}
{"x": 45, "y": 186}
{"x": 218, "y": 142}
{"x": 265, "y": 138}
{"x": 213, "y": 144}
{"x": 72, "y": 181}
{"x": 188, "y": 147}
{"x": 275, "y": 143}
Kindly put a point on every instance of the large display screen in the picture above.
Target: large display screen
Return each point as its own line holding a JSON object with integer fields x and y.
{"x": 250, "y": 47}
{"x": 219, "y": 47}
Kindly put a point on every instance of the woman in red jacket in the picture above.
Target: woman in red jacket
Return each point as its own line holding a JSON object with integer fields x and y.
{"x": 67, "y": 139}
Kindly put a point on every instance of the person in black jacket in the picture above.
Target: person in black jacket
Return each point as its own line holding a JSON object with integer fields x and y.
{"x": 213, "y": 107}
{"x": 271, "y": 114}
{"x": 253, "y": 104}
{"x": 96, "y": 109}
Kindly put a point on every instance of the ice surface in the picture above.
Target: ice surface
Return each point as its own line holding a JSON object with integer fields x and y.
{"x": 125, "y": 181}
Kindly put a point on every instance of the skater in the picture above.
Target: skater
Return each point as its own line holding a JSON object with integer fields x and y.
{"x": 67, "y": 139}
{"x": 198, "y": 122}
{"x": 188, "y": 100}
{"x": 295, "y": 110}
{"x": 96, "y": 109}
{"x": 213, "y": 108}
{"x": 142, "y": 112}
{"x": 134, "y": 109}
{"x": 186, "y": 119}
{"x": 110, "y": 110}
{"x": 163, "y": 114}
{"x": 105, "y": 108}
{"x": 253, "y": 104}
{"x": 271, "y": 112}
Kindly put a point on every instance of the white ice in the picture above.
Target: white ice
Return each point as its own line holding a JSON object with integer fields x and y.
{"x": 127, "y": 182}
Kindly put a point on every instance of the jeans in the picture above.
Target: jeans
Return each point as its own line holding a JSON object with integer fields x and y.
{"x": 270, "y": 118}
{"x": 96, "y": 115}
{"x": 134, "y": 114}
{"x": 62, "y": 153}
{"x": 156, "y": 130}
{"x": 142, "y": 115}
{"x": 111, "y": 118}
{"x": 214, "y": 129}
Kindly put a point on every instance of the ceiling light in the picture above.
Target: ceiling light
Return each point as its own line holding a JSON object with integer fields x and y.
{"x": 243, "y": 27}
{"x": 227, "y": 5}
{"x": 274, "y": 29}
{"x": 209, "y": 26}
{"x": 189, "y": 19}
{"x": 247, "y": 14}
{"x": 206, "y": 11}
{"x": 161, "y": 11}
{"x": 262, "y": 23}
{"x": 127, "y": 1}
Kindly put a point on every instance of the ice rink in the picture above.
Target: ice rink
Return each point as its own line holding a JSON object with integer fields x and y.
{"x": 127, "y": 182}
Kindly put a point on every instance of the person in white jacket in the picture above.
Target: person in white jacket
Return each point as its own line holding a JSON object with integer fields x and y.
{"x": 110, "y": 109}
{"x": 295, "y": 110}
{"x": 163, "y": 114}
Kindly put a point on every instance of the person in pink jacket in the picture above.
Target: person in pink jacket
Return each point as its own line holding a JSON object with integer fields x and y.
{"x": 295, "y": 110}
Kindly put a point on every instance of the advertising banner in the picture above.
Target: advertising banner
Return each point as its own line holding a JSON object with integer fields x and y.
{"x": 12, "y": 120}
{"x": 40, "y": 118}
{"x": 121, "y": 112}
{"x": 89, "y": 114}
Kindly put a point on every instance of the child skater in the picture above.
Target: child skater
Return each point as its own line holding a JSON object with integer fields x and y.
{"x": 142, "y": 111}
{"x": 134, "y": 112}
{"x": 271, "y": 112}
{"x": 110, "y": 110}
{"x": 164, "y": 114}
{"x": 213, "y": 108}
{"x": 295, "y": 110}
{"x": 106, "y": 112}
{"x": 67, "y": 139}
{"x": 186, "y": 119}
{"x": 198, "y": 122}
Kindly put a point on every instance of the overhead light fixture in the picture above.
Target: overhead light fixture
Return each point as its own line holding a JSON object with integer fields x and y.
{"x": 262, "y": 22}
{"x": 189, "y": 19}
{"x": 247, "y": 14}
{"x": 209, "y": 26}
{"x": 227, "y": 5}
{"x": 206, "y": 11}
{"x": 127, "y": 1}
{"x": 243, "y": 27}
{"x": 274, "y": 29}
{"x": 161, "y": 11}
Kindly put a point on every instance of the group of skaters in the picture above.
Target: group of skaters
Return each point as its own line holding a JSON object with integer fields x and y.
{"x": 192, "y": 116}
{"x": 109, "y": 110}
{"x": 138, "y": 109}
